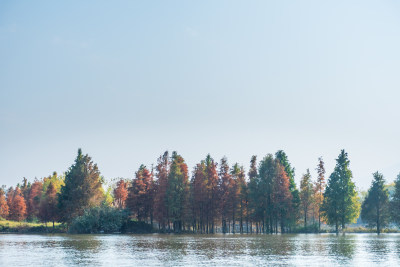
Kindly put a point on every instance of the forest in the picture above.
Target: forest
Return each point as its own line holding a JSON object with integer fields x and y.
{"x": 215, "y": 197}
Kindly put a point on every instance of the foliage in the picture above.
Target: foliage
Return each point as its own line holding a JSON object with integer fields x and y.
{"x": 17, "y": 206}
{"x": 320, "y": 189}
{"x": 102, "y": 219}
{"x": 395, "y": 202}
{"x": 120, "y": 194}
{"x": 341, "y": 204}
{"x": 295, "y": 205}
{"x": 3, "y": 204}
{"x": 140, "y": 196}
{"x": 177, "y": 191}
{"x": 375, "y": 207}
{"x": 48, "y": 210}
{"x": 82, "y": 189}
{"x": 306, "y": 195}
{"x": 160, "y": 201}
{"x": 217, "y": 198}
{"x": 33, "y": 199}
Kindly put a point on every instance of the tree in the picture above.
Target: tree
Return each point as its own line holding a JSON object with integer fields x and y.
{"x": 226, "y": 182}
{"x": 212, "y": 192}
{"x": 162, "y": 173}
{"x": 234, "y": 193}
{"x": 18, "y": 206}
{"x": 253, "y": 207}
{"x": 319, "y": 189}
{"x": 284, "y": 161}
{"x": 48, "y": 211}
{"x": 306, "y": 195}
{"x": 120, "y": 194}
{"x": 82, "y": 189}
{"x": 199, "y": 202}
{"x": 281, "y": 197}
{"x": 55, "y": 179}
{"x": 341, "y": 204}
{"x": 395, "y": 202}
{"x": 33, "y": 199}
{"x": 3, "y": 204}
{"x": 177, "y": 192}
{"x": 375, "y": 207}
{"x": 266, "y": 172}
{"x": 140, "y": 196}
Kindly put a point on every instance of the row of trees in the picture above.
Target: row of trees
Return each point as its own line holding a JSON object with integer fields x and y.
{"x": 215, "y": 197}
{"x": 31, "y": 201}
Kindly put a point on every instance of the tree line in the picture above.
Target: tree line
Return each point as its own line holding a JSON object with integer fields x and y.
{"x": 214, "y": 197}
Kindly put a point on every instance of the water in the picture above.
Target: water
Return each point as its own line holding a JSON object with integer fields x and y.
{"x": 205, "y": 250}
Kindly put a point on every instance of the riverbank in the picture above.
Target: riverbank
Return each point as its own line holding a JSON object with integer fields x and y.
{"x": 7, "y": 226}
{"x": 134, "y": 227}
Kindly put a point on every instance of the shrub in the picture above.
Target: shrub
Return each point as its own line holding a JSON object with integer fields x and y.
{"x": 99, "y": 220}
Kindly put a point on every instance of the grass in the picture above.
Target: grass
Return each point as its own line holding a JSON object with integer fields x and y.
{"x": 7, "y": 226}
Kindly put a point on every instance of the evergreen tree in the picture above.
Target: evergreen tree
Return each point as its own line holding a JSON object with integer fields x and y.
{"x": 252, "y": 192}
{"x": 341, "y": 204}
{"x": 178, "y": 192}
{"x": 160, "y": 202}
{"x": 212, "y": 193}
{"x": 306, "y": 195}
{"x": 234, "y": 194}
{"x": 395, "y": 202}
{"x": 295, "y": 205}
{"x": 319, "y": 189}
{"x": 226, "y": 181}
{"x": 82, "y": 189}
{"x": 199, "y": 202}
{"x": 375, "y": 207}
{"x": 266, "y": 172}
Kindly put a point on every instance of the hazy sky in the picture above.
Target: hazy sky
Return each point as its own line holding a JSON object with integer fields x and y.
{"x": 126, "y": 80}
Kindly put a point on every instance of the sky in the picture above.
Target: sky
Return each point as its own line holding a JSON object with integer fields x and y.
{"x": 127, "y": 80}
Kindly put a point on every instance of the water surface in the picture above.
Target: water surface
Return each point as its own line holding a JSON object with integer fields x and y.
{"x": 194, "y": 250}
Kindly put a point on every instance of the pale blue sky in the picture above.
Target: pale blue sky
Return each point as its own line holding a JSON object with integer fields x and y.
{"x": 126, "y": 80}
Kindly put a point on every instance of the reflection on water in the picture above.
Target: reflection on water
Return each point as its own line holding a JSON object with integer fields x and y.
{"x": 186, "y": 250}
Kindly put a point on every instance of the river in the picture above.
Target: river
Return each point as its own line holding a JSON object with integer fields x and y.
{"x": 193, "y": 250}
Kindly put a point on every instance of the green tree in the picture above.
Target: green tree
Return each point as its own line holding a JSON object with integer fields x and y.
{"x": 226, "y": 181}
{"x": 234, "y": 193}
{"x": 341, "y": 205}
{"x": 395, "y": 202}
{"x": 199, "y": 202}
{"x": 252, "y": 211}
{"x": 319, "y": 189}
{"x": 295, "y": 205}
{"x": 178, "y": 192}
{"x": 306, "y": 195}
{"x": 265, "y": 188}
{"x": 82, "y": 188}
{"x": 161, "y": 185}
{"x": 375, "y": 207}
{"x": 212, "y": 193}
